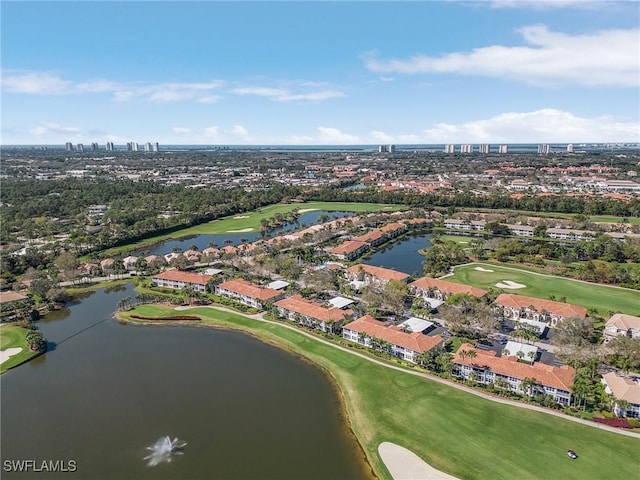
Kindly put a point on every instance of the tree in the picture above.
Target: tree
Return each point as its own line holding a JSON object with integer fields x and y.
{"x": 466, "y": 313}
{"x": 394, "y": 294}
{"x": 529, "y": 385}
{"x": 624, "y": 352}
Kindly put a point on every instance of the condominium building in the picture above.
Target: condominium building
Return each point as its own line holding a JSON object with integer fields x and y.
{"x": 80, "y": 147}
{"x": 449, "y": 149}
{"x": 466, "y": 148}
{"x": 69, "y": 146}
{"x": 484, "y": 148}
{"x": 147, "y": 147}
{"x": 503, "y": 149}
{"x": 156, "y": 147}
{"x": 109, "y": 146}
{"x": 544, "y": 149}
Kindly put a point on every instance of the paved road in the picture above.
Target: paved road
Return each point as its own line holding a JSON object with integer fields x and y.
{"x": 259, "y": 317}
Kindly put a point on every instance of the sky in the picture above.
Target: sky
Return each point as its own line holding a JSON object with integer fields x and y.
{"x": 320, "y": 73}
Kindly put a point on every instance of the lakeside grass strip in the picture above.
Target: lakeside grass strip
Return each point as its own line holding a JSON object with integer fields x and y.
{"x": 175, "y": 318}
{"x": 452, "y": 430}
{"x": 602, "y": 298}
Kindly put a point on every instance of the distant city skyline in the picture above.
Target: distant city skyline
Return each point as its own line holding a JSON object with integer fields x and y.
{"x": 321, "y": 73}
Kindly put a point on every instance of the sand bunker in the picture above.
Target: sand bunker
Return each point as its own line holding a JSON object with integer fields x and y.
{"x": 509, "y": 284}
{"x": 238, "y": 217}
{"x": 403, "y": 464}
{"x": 8, "y": 353}
{"x": 305, "y": 210}
{"x": 480, "y": 269}
{"x": 244, "y": 230}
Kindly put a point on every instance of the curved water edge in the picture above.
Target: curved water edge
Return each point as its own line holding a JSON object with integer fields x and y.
{"x": 102, "y": 396}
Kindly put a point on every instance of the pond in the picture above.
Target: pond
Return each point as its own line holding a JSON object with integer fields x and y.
{"x": 106, "y": 391}
{"x": 402, "y": 255}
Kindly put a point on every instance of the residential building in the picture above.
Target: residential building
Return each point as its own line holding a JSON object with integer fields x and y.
{"x": 107, "y": 264}
{"x": 377, "y": 275}
{"x": 460, "y": 224}
{"x": 80, "y": 147}
{"x": 503, "y": 149}
{"x": 391, "y": 149}
{"x": 327, "y": 318}
{"x": 466, "y": 148}
{"x": 68, "y": 147}
{"x": 109, "y": 146}
{"x": 372, "y": 238}
{"x": 626, "y": 388}
{"x": 130, "y": 262}
{"x": 173, "y": 278}
{"x": 349, "y": 250}
{"x": 544, "y": 149}
{"x": 484, "y": 148}
{"x": 449, "y": 148}
{"x": 521, "y": 230}
{"x": 368, "y": 331}
{"x": 567, "y": 234}
{"x": 247, "y": 293}
{"x": 147, "y": 147}
{"x": 156, "y": 147}
{"x": 622, "y": 324}
{"x": 547, "y": 311}
{"x": 486, "y": 367}
{"x": 435, "y": 288}
{"x": 94, "y": 147}
{"x": 570, "y": 148}
{"x": 14, "y": 305}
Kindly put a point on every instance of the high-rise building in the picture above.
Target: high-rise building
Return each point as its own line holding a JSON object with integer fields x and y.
{"x": 503, "y": 149}
{"x": 129, "y": 146}
{"x": 382, "y": 148}
{"x": 147, "y": 147}
{"x": 134, "y": 146}
{"x": 94, "y": 147}
{"x": 80, "y": 147}
{"x": 449, "y": 149}
{"x": 543, "y": 149}
{"x": 484, "y": 148}
{"x": 391, "y": 149}
{"x": 466, "y": 148}
{"x": 109, "y": 146}
{"x": 570, "y": 148}
{"x": 156, "y": 147}
{"x": 69, "y": 146}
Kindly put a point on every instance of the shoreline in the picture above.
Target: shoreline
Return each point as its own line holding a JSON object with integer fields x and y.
{"x": 343, "y": 412}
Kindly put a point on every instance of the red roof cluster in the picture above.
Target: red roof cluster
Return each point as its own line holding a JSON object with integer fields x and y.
{"x": 555, "y": 308}
{"x": 416, "y": 341}
{"x": 445, "y": 287}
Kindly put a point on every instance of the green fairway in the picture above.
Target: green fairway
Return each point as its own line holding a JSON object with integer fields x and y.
{"x": 454, "y": 431}
{"x": 12, "y": 336}
{"x": 463, "y": 240}
{"x": 601, "y": 297}
{"x": 250, "y": 221}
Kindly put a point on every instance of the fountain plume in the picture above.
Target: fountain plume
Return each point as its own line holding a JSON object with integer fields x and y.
{"x": 163, "y": 450}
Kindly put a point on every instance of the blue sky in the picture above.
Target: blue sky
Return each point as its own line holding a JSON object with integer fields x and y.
{"x": 302, "y": 72}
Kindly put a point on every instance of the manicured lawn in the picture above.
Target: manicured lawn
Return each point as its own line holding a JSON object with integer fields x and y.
{"x": 462, "y": 239}
{"x": 612, "y": 219}
{"x": 601, "y": 297}
{"x": 12, "y": 336}
{"x": 251, "y": 220}
{"x": 459, "y": 433}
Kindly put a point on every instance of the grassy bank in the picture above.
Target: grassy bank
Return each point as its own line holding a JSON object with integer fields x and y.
{"x": 464, "y": 435}
{"x": 12, "y": 336}
{"x": 603, "y": 298}
{"x": 250, "y": 221}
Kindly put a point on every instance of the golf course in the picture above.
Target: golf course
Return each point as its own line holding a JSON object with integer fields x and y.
{"x": 602, "y": 298}
{"x": 13, "y": 338}
{"x": 454, "y": 431}
{"x": 250, "y": 221}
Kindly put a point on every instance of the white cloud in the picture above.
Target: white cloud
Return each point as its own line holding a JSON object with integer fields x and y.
{"x": 240, "y": 132}
{"x": 330, "y": 135}
{"x": 48, "y": 83}
{"x": 181, "y": 130}
{"x": 381, "y": 136}
{"x": 51, "y": 128}
{"x": 545, "y": 125}
{"x": 211, "y": 132}
{"x": 610, "y": 57}
{"x": 552, "y": 4}
{"x": 287, "y": 95}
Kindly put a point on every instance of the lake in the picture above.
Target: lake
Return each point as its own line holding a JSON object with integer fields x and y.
{"x": 106, "y": 391}
{"x": 402, "y": 255}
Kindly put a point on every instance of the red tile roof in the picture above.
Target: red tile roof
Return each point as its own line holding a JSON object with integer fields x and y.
{"x": 348, "y": 247}
{"x": 301, "y": 305}
{"x": 242, "y": 287}
{"x": 378, "y": 272}
{"x": 186, "y": 277}
{"x": 446, "y": 287}
{"x": 370, "y": 236}
{"x": 558, "y": 377}
{"x": 416, "y": 341}
{"x": 11, "y": 296}
{"x": 555, "y": 308}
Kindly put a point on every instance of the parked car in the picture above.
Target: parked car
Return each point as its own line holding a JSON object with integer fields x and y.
{"x": 571, "y": 454}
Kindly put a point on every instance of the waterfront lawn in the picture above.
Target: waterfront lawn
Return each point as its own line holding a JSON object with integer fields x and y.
{"x": 464, "y": 240}
{"x": 454, "y": 431}
{"x": 252, "y": 221}
{"x": 602, "y": 298}
{"x": 12, "y": 336}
